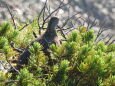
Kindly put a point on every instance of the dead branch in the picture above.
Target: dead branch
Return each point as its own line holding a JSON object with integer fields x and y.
{"x": 11, "y": 81}
{"x": 103, "y": 38}
{"x": 101, "y": 30}
{"x": 11, "y": 16}
{"x": 34, "y": 34}
{"x": 60, "y": 6}
{"x": 88, "y": 24}
{"x": 93, "y": 24}
{"x": 13, "y": 67}
{"x": 61, "y": 2}
{"x": 112, "y": 42}
{"x": 62, "y": 33}
{"x": 14, "y": 48}
{"x": 24, "y": 26}
{"x": 69, "y": 18}
{"x": 109, "y": 39}
{"x": 43, "y": 9}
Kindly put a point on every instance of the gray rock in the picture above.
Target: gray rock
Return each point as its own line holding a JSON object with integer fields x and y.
{"x": 102, "y": 10}
{"x": 4, "y": 66}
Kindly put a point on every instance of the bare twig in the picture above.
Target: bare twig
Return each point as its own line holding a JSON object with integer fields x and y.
{"x": 62, "y": 33}
{"x": 12, "y": 66}
{"x": 80, "y": 17}
{"x": 24, "y": 27}
{"x": 11, "y": 16}
{"x": 88, "y": 24}
{"x": 43, "y": 9}
{"x": 62, "y": 40}
{"x": 70, "y": 30}
{"x": 34, "y": 34}
{"x": 10, "y": 81}
{"x": 83, "y": 20}
{"x": 65, "y": 23}
{"x": 67, "y": 20}
{"x": 44, "y": 21}
{"x": 16, "y": 49}
{"x": 48, "y": 8}
{"x": 101, "y": 30}
{"x": 109, "y": 40}
{"x": 61, "y": 2}
{"x": 93, "y": 24}
{"x": 99, "y": 33}
{"x": 50, "y": 14}
{"x": 112, "y": 42}
{"x": 103, "y": 38}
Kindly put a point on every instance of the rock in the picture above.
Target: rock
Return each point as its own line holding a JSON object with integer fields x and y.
{"x": 28, "y": 9}
{"x": 4, "y": 66}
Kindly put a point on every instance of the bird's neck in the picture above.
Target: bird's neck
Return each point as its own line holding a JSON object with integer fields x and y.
{"x": 50, "y": 33}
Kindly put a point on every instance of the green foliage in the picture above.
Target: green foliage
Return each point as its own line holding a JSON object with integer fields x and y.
{"x": 79, "y": 61}
{"x": 61, "y": 74}
{"x": 7, "y": 31}
{"x": 37, "y": 57}
{"x": 88, "y": 36}
{"x": 26, "y": 79}
{"x": 4, "y": 78}
{"x": 4, "y": 29}
{"x": 74, "y": 37}
{"x": 7, "y": 35}
{"x": 88, "y": 61}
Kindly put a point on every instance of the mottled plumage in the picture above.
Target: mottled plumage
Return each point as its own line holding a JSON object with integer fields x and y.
{"x": 49, "y": 37}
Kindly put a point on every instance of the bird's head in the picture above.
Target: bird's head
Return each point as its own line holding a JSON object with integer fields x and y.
{"x": 53, "y": 23}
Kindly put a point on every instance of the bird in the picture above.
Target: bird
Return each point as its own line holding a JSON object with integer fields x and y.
{"x": 46, "y": 39}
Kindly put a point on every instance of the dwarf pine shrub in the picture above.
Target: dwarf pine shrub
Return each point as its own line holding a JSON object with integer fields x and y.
{"x": 78, "y": 61}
